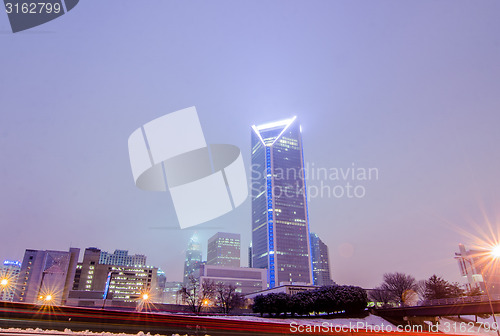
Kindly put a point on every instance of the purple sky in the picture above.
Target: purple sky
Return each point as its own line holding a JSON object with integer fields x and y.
{"x": 411, "y": 88}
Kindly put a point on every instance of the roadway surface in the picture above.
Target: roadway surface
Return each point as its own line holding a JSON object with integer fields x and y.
{"x": 19, "y": 315}
{"x": 23, "y": 316}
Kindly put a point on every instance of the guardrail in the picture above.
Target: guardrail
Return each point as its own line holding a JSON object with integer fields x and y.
{"x": 463, "y": 299}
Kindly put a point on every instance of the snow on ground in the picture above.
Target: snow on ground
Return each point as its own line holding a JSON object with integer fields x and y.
{"x": 371, "y": 320}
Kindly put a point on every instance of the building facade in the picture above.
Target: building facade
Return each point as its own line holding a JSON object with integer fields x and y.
{"x": 320, "y": 261}
{"x": 46, "y": 276}
{"x": 224, "y": 249}
{"x": 280, "y": 224}
{"x": 193, "y": 257}
{"x": 9, "y": 273}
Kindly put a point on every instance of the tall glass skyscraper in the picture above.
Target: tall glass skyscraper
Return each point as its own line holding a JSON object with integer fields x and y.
{"x": 193, "y": 257}
{"x": 280, "y": 224}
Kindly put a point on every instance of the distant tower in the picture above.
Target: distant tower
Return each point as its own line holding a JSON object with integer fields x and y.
{"x": 280, "y": 224}
{"x": 320, "y": 260}
{"x": 193, "y": 257}
{"x": 224, "y": 249}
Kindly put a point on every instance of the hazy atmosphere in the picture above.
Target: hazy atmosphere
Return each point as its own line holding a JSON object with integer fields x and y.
{"x": 406, "y": 90}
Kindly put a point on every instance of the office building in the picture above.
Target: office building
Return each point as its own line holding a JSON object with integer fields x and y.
{"x": 224, "y": 249}
{"x": 117, "y": 283}
{"x": 320, "y": 261}
{"x": 478, "y": 269}
{"x": 280, "y": 225}
{"x": 193, "y": 257}
{"x": 46, "y": 276}
{"x": 9, "y": 273}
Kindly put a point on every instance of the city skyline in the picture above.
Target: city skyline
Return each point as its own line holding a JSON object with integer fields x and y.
{"x": 409, "y": 89}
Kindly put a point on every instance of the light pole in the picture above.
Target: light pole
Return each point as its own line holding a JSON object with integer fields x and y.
{"x": 495, "y": 253}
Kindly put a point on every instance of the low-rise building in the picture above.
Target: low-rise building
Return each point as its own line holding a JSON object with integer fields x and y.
{"x": 246, "y": 280}
{"x": 287, "y": 289}
{"x": 46, "y": 276}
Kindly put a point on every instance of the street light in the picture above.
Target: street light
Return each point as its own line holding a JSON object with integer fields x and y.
{"x": 495, "y": 253}
{"x": 143, "y": 301}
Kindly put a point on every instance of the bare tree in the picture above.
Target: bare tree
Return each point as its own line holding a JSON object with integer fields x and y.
{"x": 401, "y": 287}
{"x": 196, "y": 294}
{"x": 227, "y": 298}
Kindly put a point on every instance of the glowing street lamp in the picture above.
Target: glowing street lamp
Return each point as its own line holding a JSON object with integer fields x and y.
{"x": 495, "y": 251}
{"x": 143, "y": 302}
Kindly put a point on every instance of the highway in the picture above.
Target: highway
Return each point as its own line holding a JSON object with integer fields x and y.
{"x": 20, "y": 315}
{"x": 23, "y": 316}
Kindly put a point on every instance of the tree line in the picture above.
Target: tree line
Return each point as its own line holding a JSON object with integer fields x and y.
{"x": 350, "y": 300}
{"x": 399, "y": 289}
